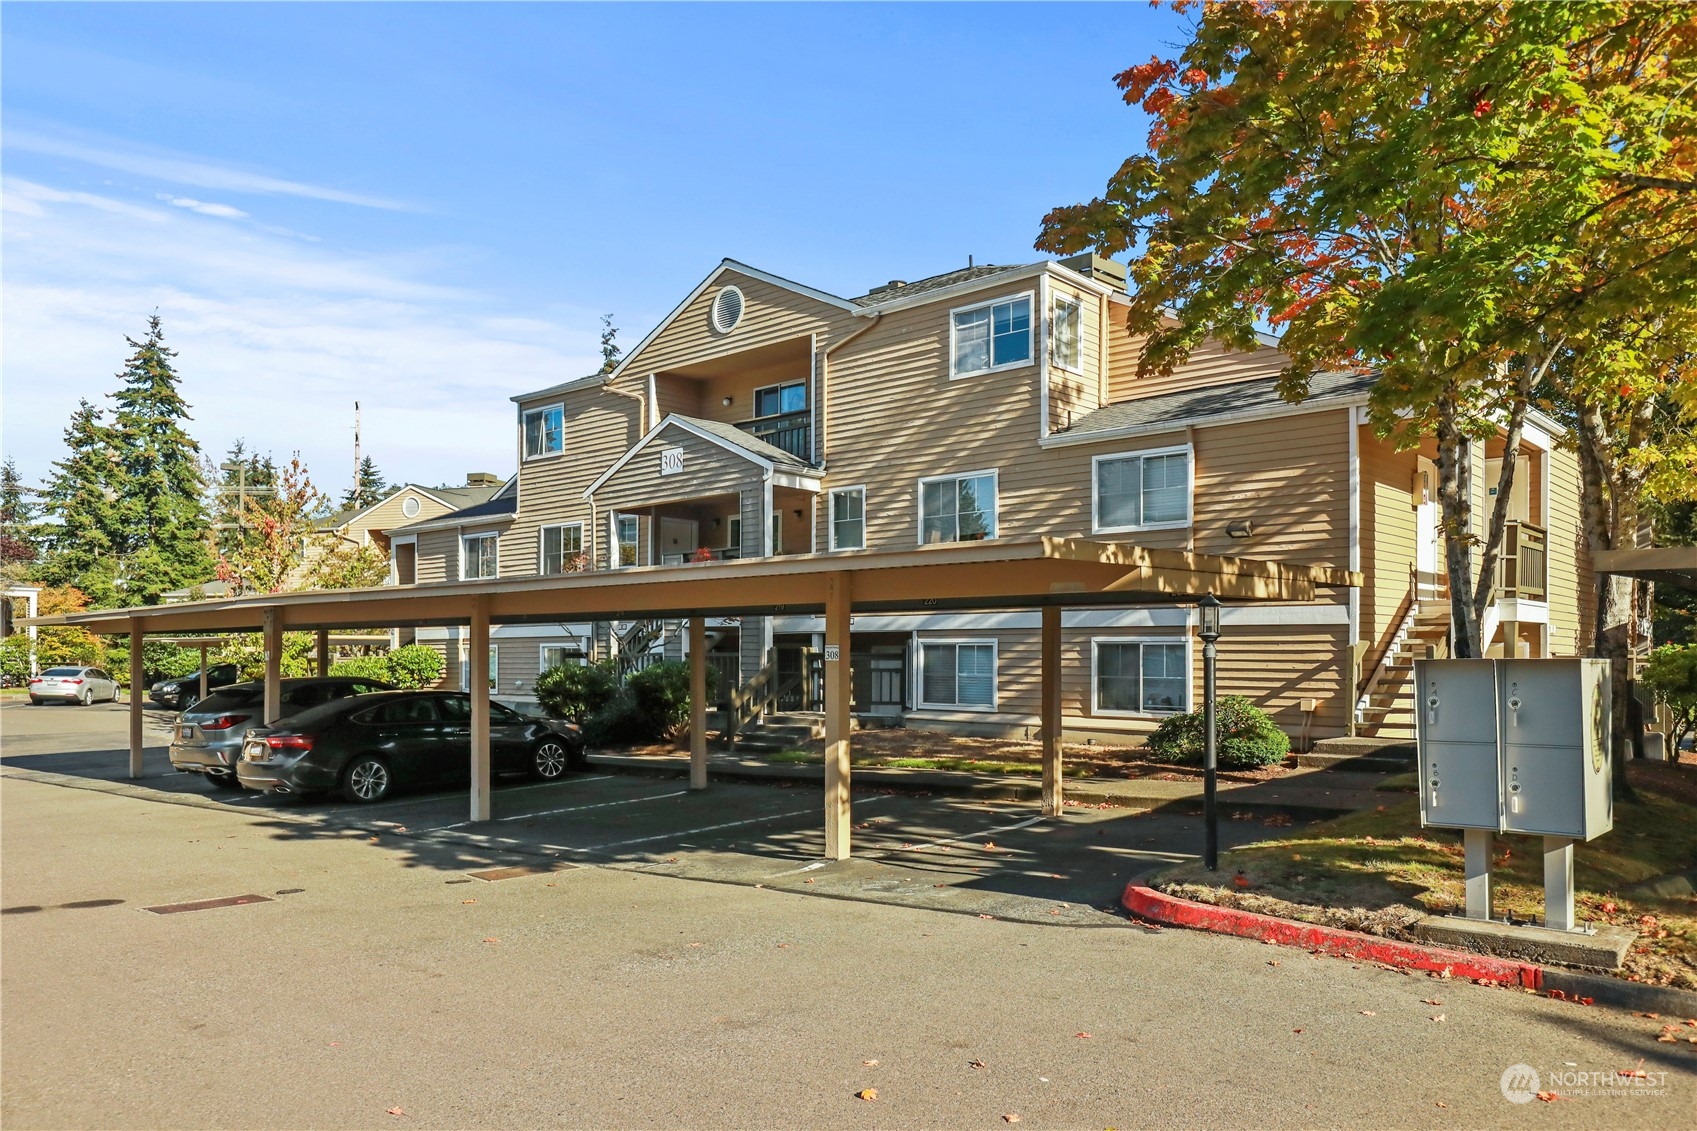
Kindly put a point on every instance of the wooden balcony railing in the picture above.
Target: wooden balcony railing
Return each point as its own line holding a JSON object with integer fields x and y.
{"x": 792, "y": 431}
{"x": 1522, "y": 571}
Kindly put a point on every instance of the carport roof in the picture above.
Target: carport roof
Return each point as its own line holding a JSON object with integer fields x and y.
{"x": 1024, "y": 572}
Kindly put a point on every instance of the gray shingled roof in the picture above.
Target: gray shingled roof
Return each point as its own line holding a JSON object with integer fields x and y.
{"x": 936, "y": 282}
{"x": 748, "y": 442}
{"x": 1214, "y": 400}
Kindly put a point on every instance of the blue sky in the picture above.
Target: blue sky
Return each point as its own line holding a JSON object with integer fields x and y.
{"x": 428, "y": 207}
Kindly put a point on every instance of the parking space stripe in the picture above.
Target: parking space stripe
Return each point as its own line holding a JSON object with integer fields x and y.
{"x": 692, "y": 832}
{"x": 554, "y": 812}
{"x": 915, "y": 847}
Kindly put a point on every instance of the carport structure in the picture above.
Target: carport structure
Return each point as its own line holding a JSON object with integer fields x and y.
{"x": 1051, "y": 574}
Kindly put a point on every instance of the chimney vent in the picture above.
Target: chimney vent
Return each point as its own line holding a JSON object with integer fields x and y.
{"x": 1098, "y": 267}
{"x": 482, "y": 479}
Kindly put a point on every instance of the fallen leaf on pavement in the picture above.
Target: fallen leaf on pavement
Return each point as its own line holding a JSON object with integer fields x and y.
{"x": 1083, "y": 1036}
{"x": 393, "y": 1110}
{"x": 870, "y": 1063}
{"x": 1054, "y": 910}
{"x": 1551, "y": 1097}
{"x": 1368, "y": 1013}
{"x": 807, "y": 881}
{"x": 1651, "y": 1016}
{"x": 1430, "y": 1001}
{"x": 491, "y": 940}
{"x": 990, "y": 844}
{"x": 468, "y": 901}
{"x": 867, "y": 1094}
{"x": 1296, "y": 1030}
{"x": 986, "y": 916}
{"x": 1011, "y": 1117}
{"x": 976, "y": 1064}
{"x": 1441, "y": 1103}
{"x": 783, "y": 946}
{"x": 373, "y": 840}
{"x": 1439, "y": 1017}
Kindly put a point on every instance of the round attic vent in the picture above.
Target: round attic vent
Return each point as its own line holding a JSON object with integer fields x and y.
{"x": 410, "y": 508}
{"x": 727, "y": 310}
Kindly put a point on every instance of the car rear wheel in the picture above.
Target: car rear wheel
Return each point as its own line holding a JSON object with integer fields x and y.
{"x": 550, "y": 760}
{"x": 86, "y": 698}
{"x": 367, "y": 779}
{"x": 34, "y": 702}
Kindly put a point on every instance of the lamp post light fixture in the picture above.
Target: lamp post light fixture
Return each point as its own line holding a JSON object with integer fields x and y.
{"x": 1208, "y": 610}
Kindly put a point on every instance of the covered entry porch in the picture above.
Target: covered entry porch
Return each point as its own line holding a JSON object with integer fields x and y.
{"x": 1042, "y": 573}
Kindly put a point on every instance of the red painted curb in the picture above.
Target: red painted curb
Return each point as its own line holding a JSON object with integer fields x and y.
{"x": 1147, "y": 903}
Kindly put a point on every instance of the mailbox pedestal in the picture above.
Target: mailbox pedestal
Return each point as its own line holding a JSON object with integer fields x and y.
{"x": 1516, "y": 746}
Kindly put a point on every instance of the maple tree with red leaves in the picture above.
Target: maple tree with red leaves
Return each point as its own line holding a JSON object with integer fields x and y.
{"x": 1491, "y": 207}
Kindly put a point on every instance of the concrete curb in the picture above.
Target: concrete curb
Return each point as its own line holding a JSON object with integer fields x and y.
{"x": 1147, "y": 903}
{"x": 1567, "y": 985}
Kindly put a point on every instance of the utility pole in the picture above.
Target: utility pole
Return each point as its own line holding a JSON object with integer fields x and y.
{"x": 358, "y": 500}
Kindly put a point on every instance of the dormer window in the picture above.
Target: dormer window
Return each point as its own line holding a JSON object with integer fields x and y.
{"x": 544, "y": 431}
{"x": 992, "y": 336}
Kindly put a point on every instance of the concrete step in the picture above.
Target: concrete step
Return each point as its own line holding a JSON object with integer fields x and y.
{"x": 1362, "y": 763}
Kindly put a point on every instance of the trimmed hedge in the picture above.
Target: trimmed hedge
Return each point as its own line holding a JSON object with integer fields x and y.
{"x": 1246, "y": 737}
{"x": 575, "y": 691}
{"x": 414, "y": 666}
{"x": 362, "y": 667}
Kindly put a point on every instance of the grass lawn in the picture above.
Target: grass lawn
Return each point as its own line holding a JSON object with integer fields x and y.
{"x": 1378, "y": 870}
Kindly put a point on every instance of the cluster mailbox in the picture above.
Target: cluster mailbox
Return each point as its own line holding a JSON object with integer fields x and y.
{"x": 1515, "y": 746}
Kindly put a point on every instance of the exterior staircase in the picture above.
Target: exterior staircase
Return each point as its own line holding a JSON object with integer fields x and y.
{"x": 1385, "y": 698}
{"x": 776, "y": 732}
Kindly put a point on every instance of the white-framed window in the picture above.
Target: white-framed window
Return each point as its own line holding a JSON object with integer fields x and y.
{"x": 992, "y": 335}
{"x": 958, "y": 674}
{"x": 957, "y": 508}
{"x": 479, "y": 556}
{"x": 1135, "y": 675}
{"x": 1065, "y": 329}
{"x": 626, "y": 535}
{"x": 559, "y": 548}
{"x": 848, "y": 518}
{"x": 494, "y": 666}
{"x": 1141, "y": 490}
{"x": 559, "y": 655}
{"x": 544, "y": 431}
{"x": 776, "y": 400}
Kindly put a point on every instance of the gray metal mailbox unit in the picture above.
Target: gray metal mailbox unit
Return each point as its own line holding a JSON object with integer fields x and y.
{"x": 1517, "y": 746}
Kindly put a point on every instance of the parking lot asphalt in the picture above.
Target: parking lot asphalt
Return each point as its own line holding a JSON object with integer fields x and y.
{"x": 962, "y": 855}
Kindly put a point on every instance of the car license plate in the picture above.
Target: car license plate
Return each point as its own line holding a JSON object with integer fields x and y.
{"x": 185, "y": 733}
{"x": 254, "y": 752}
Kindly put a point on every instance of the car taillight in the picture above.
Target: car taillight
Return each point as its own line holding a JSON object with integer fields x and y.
{"x": 224, "y": 722}
{"x": 37, "y": 679}
{"x": 77, "y": 680}
{"x": 289, "y": 741}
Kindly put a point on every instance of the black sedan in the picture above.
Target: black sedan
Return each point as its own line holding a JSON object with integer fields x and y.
{"x": 184, "y": 691}
{"x": 372, "y": 744}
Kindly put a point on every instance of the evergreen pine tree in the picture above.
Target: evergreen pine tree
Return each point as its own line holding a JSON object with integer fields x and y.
{"x": 17, "y": 522}
{"x": 79, "y": 497}
{"x": 161, "y": 532}
{"x": 368, "y": 488}
{"x": 609, "y": 344}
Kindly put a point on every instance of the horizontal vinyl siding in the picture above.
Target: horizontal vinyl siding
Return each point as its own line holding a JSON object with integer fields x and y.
{"x": 709, "y": 469}
{"x": 894, "y": 414}
{"x": 438, "y": 555}
{"x": 599, "y": 428}
{"x": 1572, "y": 597}
{"x": 770, "y": 314}
{"x": 1388, "y": 536}
{"x": 1074, "y": 394}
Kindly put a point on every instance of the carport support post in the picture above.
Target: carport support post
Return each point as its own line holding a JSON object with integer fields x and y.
{"x": 273, "y": 638}
{"x": 838, "y": 689}
{"x": 479, "y": 680}
{"x": 1051, "y": 679}
{"x": 203, "y": 687}
{"x": 323, "y": 643}
{"x": 137, "y": 679}
{"x": 698, "y": 702}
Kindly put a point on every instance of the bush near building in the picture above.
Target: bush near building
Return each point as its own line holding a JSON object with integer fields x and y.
{"x": 1246, "y": 736}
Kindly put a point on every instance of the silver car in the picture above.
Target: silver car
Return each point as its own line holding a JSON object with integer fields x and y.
{"x": 207, "y": 738}
{"x": 73, "y": 685}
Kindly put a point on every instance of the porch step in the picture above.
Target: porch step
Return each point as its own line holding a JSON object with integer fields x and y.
{"x": 1383, "y": 754}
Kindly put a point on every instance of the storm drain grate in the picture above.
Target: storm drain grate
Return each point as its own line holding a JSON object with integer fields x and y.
{"x": 516, "y": 872}
{"x": 207, "y": 904}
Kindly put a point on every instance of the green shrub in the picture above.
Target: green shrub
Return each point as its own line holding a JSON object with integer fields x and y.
{"x": 14, "y": 658}
{"x": 661, "y": 695}
{"x": 414, "y": 666}
{"x": 618, "y": 722}
{"x": 1246, "y": 737}
{"x": 575, "y": 691}
{"x": 362, "y": 667}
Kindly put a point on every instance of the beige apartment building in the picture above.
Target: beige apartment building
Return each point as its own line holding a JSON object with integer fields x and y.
{"x": 763, "y": 417}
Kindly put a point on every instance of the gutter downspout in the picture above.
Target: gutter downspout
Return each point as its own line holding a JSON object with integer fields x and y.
{"x": 825, "y": 383}
{"x": 642, "y": 421}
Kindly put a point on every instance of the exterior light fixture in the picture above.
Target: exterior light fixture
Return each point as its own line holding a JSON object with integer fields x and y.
{"x": 726, "y": 402}
{"x": 1241, "y": 528}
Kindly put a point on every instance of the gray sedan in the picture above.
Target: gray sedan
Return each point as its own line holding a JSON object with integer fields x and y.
{"x": 73, "y": 685}
{"x": 208, "y": 735}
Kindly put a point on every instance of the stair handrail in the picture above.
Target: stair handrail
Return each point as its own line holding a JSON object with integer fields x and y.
{"x": 748, "y": 700}
{"x": 1407, "y": 611}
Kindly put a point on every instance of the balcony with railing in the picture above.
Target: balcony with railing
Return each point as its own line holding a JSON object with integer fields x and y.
{"x": 791, "y": 431}
{"x": 1522, "y": 570}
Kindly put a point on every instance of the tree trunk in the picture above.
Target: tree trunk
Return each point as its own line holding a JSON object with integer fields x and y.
{"x": 1455, "y": 499}
{"x": 1601, "y": 517}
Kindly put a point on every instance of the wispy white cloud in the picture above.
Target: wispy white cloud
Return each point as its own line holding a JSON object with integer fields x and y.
{"x": 178, "y": 169}
{"x": 277, "y": 338}
{"x": 222, "y": 211}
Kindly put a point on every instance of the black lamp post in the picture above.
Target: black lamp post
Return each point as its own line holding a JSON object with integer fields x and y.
{"x": 1209, "y": 631}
